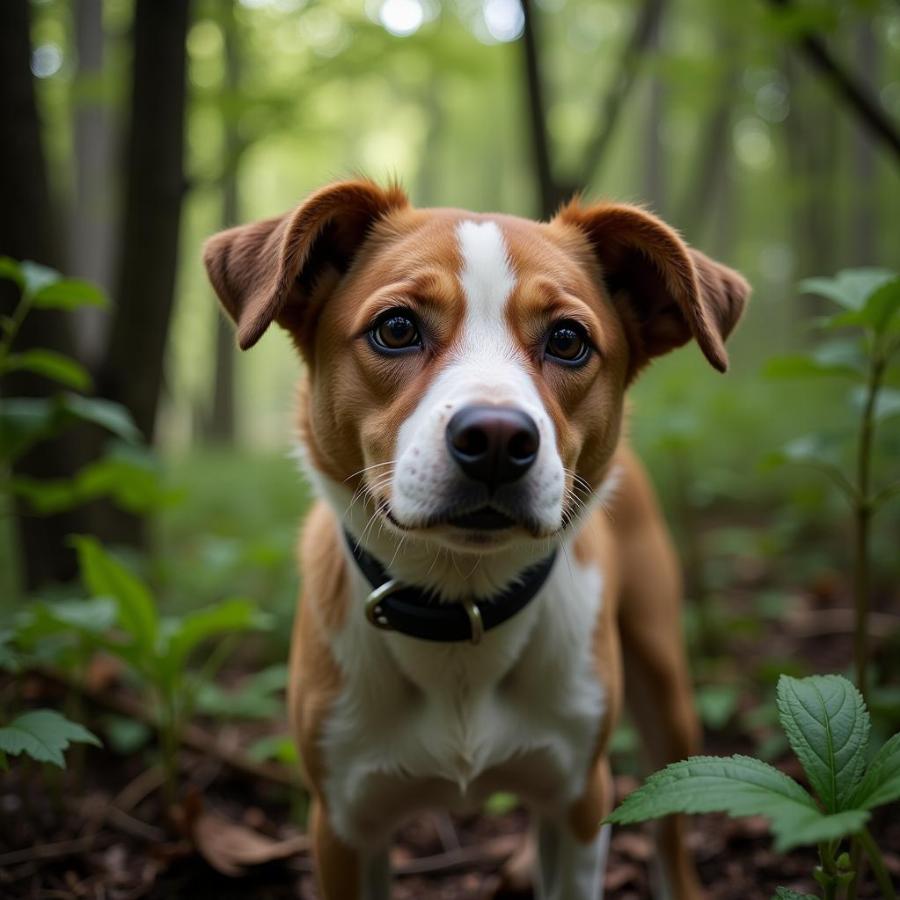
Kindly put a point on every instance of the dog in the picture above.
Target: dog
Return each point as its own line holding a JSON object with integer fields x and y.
{"x": 486, "y": 572}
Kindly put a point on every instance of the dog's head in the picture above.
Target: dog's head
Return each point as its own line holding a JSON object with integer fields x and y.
{"x": 466, "y": 372}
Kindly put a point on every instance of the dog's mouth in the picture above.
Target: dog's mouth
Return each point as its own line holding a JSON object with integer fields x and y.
{"x": 482, "y": 520}
{"x": 486, "y": 518}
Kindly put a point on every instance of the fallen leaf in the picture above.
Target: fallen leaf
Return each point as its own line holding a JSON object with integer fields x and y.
{"x": 229, "y": 847}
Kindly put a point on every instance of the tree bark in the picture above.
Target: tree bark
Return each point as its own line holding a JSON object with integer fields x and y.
{"x": 132, "y": 369}
{"x": 551, "y": 193}
{"x": 27, "y": 232}
{"x": 654, "y": 154}
{"x": 646, "y": 26}
{"x": 91, "y": 233}
{"x": 131, "y": 372}
{"x": 864, "y": 250}
{"x": 222, "y": 419}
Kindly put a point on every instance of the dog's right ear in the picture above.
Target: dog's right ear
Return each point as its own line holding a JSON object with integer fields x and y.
{"x": 267, "y": 271}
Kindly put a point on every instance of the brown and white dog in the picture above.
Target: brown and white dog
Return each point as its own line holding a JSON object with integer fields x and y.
{"x": 461, "y": 418}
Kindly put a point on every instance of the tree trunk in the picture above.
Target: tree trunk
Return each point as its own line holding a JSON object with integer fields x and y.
{"x": 27, "y": 232}
{"x": 221, "y": 425}
{"x": 654, "y": 153}
{"x": 154, "y": 189}
{"x": 132, "y": 369}
{"x": 864, "y": 250}
{"x": 91, "y": 233}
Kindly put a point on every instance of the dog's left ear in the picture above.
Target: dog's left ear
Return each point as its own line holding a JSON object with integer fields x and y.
{"x": 671, "y": 292}
{"x": 267, "y": 271}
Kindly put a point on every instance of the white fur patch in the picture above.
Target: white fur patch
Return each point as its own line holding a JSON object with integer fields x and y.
{"x": 420, "y": 725}
{"x": 485, "y": 366}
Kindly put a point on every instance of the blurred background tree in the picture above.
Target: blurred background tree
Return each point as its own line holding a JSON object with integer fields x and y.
{"x": 766, "y": 131}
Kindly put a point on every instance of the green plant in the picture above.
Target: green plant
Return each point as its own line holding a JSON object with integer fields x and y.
{"x": 870, "y": 303}
{"x": 126, "y": 475}
{"x": 42, "y": 734}
{"x": 827, "y": 724}
{"x": 157, "y": 649}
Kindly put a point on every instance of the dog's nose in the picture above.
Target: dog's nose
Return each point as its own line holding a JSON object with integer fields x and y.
{"x": 493, "y": 444}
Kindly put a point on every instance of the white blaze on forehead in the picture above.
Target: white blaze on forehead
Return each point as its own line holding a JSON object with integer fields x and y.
{"x": 485, "y": 364}
{"x": 487, "y": 280}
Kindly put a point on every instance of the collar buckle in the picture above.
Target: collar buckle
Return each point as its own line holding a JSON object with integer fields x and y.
{"x": 377, "y": 616}
{"x": 374, "y": 610}
{"x": 475, "y": 620}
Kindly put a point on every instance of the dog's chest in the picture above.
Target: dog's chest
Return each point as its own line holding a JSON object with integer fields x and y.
{"x": 420, "y": 724}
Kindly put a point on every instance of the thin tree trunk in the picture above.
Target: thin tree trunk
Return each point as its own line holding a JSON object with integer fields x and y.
{"x": 864, "y": 224}
{"x": 222, "y": 420}
{"x": 27, "y": 232}
{"x": 91, "y": 233}
{"x": 550, "y": 191}
{"x": 132, "y": 369}
{"x": 554, "y": 188}
{"x": 646, "y": 26}
{"x": 654, "y": 155}
{"x": 860, "y": 102}
{"x": 705, "y": 183}
{"x": 429, "y": 180}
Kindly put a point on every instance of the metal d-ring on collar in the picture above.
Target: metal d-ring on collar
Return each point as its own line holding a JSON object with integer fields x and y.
{"x": 415, "y": 612}
{"x": 377, "y": 614}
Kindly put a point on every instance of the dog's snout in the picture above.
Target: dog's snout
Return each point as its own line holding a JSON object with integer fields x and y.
{"x": 493, "y": 444}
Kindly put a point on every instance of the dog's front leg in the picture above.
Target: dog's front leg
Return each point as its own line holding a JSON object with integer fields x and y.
{"x": 568, "y": 867}
{"x": 343, "y": 872}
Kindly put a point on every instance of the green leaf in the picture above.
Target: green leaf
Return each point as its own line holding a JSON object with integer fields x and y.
{"x": 89, "y": 618}
{"x": 68, "y": 294}
{"x": 783, "y": 893}
{"x": 849, "y": 288}
{"x": 257, "y": 697}
{"x": 129, "y": 479}
{"x": 43, "y": 734}
{"x": 51, "y": 365}
{"x": 877, "y": 311}
{"x": 114, "y": 417}
{"x": 881, "y": 783}
{"x": 717, "y": 703}
{"x": 887, "y": 402}
{"x": 274, "y": 746}
{"x": 11, "y": 270}
{"x": 738, "y": 786}
{"x": 24, "y": 421}
{"x": 104, "y": 576}
{"x": 827, "y": 724}
{"x": 799, "y": 365}
{"x": 842, "y": 358}
{"x": 37, "y": 277}
{"x": 183, "y": 636}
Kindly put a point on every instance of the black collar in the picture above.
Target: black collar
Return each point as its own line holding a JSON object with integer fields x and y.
{"x": 393, "y": 606}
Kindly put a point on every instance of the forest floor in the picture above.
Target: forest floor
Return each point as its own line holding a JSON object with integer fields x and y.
{"x": 101, "y": 828}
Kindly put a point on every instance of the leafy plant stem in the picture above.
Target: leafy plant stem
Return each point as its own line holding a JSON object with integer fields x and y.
{"x": 828, "y": 880}
{"x": 863, "y": 516}
{"x": 13, "y": 325}
{"x": 879, "y": 869}
{"x": 856, "y": 859}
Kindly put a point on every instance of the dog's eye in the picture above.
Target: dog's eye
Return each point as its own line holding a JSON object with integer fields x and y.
{"x": 568, "y": 343}
{"x": 395, "y": 331}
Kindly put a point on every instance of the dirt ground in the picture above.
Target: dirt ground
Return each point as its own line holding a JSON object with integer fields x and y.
{"x": 101, "y": 830}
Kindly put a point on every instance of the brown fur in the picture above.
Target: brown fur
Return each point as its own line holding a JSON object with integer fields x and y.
{"x": 353, "y": 250}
